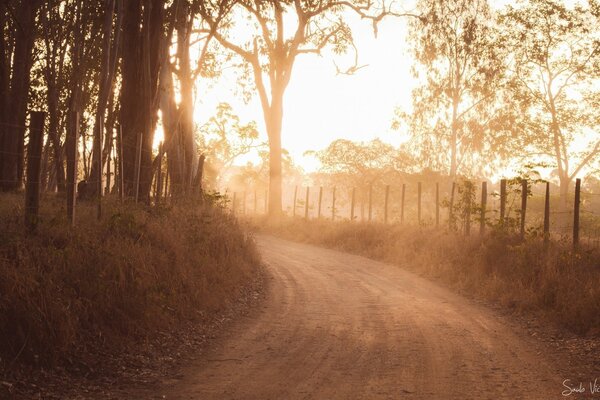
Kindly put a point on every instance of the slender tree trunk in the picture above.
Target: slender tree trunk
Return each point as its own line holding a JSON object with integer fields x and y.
{"x": 454, "y": 139}
{"x": 186, "y": 107}
{"x": 5, "y": 57}
{"x": 54, "y": 136}
{"x": 106, "y": 84}
{"x": 13, "y": 145}
{"x": 274, "y": 123}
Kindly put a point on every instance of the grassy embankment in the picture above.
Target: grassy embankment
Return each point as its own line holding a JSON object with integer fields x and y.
{"x": 522, "y": 275}
{"x": 112, "y": 282}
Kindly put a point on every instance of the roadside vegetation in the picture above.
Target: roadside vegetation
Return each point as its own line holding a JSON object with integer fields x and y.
{"x": 522, "y": 275}
{"x": 109, "y": 283}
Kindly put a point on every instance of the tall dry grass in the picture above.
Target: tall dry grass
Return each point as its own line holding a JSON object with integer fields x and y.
{"x": 522, "y": 275}
{"x": 112, "y": 281}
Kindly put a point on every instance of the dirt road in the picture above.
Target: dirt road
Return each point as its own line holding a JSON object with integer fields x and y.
{"x": 337, "y": 326}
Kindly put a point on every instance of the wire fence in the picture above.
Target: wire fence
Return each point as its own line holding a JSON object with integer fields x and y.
{"x": 535, "y": 209}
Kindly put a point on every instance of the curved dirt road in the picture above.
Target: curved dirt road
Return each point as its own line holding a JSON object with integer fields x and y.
{"x": 337, "y": 326}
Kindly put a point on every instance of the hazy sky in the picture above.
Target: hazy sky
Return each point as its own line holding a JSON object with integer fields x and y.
{"x": 321, "y": 106}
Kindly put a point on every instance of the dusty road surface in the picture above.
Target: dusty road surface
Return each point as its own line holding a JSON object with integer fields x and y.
{"x": 337, "y": 326}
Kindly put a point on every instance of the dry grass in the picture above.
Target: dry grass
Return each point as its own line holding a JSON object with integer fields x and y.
{"x": 107, "y": 283}
{"x": 520, "y": 275}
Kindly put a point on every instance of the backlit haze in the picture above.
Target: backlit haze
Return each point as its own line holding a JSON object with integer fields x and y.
{"x": 322, "y": 105}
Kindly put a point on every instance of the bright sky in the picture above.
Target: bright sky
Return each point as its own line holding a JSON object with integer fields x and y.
{"x": 321, "y": 106}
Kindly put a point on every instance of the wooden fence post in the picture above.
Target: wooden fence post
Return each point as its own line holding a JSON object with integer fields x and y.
{"x": 483, "y": 207}
{"x": 159, "y": 178}
{"x": 524, "y": 188}
{"x": 166, "y": 192}
{"x": 451, "y": 208}
{"x": 320, "y": 200}
{"x": 121, "y": 178}
{"x": 370, "y": 202}
{"x": 255, "y": 202}
{"x": 502, "y": 201}
{"x": 72, "y": 152}
{"x": 138, "y": 165}
{"x": 306, "y": 203}
{"x": 352, "y": 204}
{"x": 295, "y": 197}
{"x": 547, "y": 214}
{"x": 234, "y": 203}
{"x": 333, "y": 205}
{"x": 437, "y": 204}
{"x": 468, "y": 186}
{"x": 108, "y": 174}
{"x": 402, "y": 203}
{"x": 266, "y": 202}
{"x": 98, "y": 157}
{"x": 387, "y": 198}
{"x": 576, "y": 213}
{"x": 419, "y": 203}
{"x": 34, "y": 170}
{"x": 200, "y": 176}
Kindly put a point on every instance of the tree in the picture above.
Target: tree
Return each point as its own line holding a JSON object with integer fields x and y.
{"x": 361, "y": 164}
{"x": 270, "y": 55}
{"x": 456, "y": 117}
{"x": 18, "y": 19}
{"x": 111, "y": 37}
{"x": 141, "y": 57}
{"x": 555, "y": 73}
{"x": 224, "y": 139}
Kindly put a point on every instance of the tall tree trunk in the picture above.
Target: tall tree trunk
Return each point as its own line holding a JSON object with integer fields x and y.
{"x": 5, "y": 57}
{"x": 13, "y": 145}
{"x": 169, "y": 112}
{"x": 454, "y": 139}
{"x": 53, "y": 135}
{"x": 186, "y": 107}
{"x": 274, "y": 123}
{"x": 142, "y": 35}
{"x": 106, "y": 84}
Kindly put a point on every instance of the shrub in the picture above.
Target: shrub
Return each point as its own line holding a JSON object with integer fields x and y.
{"x": 108, "y": 282}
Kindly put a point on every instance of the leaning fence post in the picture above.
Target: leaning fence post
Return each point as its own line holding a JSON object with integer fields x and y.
{"x": 419, "y": 203}
{"x": 333, "y": 205}
{"x": 576, "y": 213}
{"x": 524, "y": 188}
{"x": 451, "y": 208}
{"x": 295, "y": 197}
{"x": 387, "y": 197}
{"x": 138, "y": 166}
{"x": 370, "y": 202}
{"x": 502, "y": 201}
{"x": 352, "y": 204}
{"x": 72, "y": 153}
{"x": 402, "y": 203}
{"x": 34, "y": 170}
{"x": 469, "y": 187}
{"x": 437, "y": 204}
{"x": 547, "y": 214}
{"x": 306, "y": 203}
{"x": 320, "y": 201}
{"x": 483, "y": 207}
